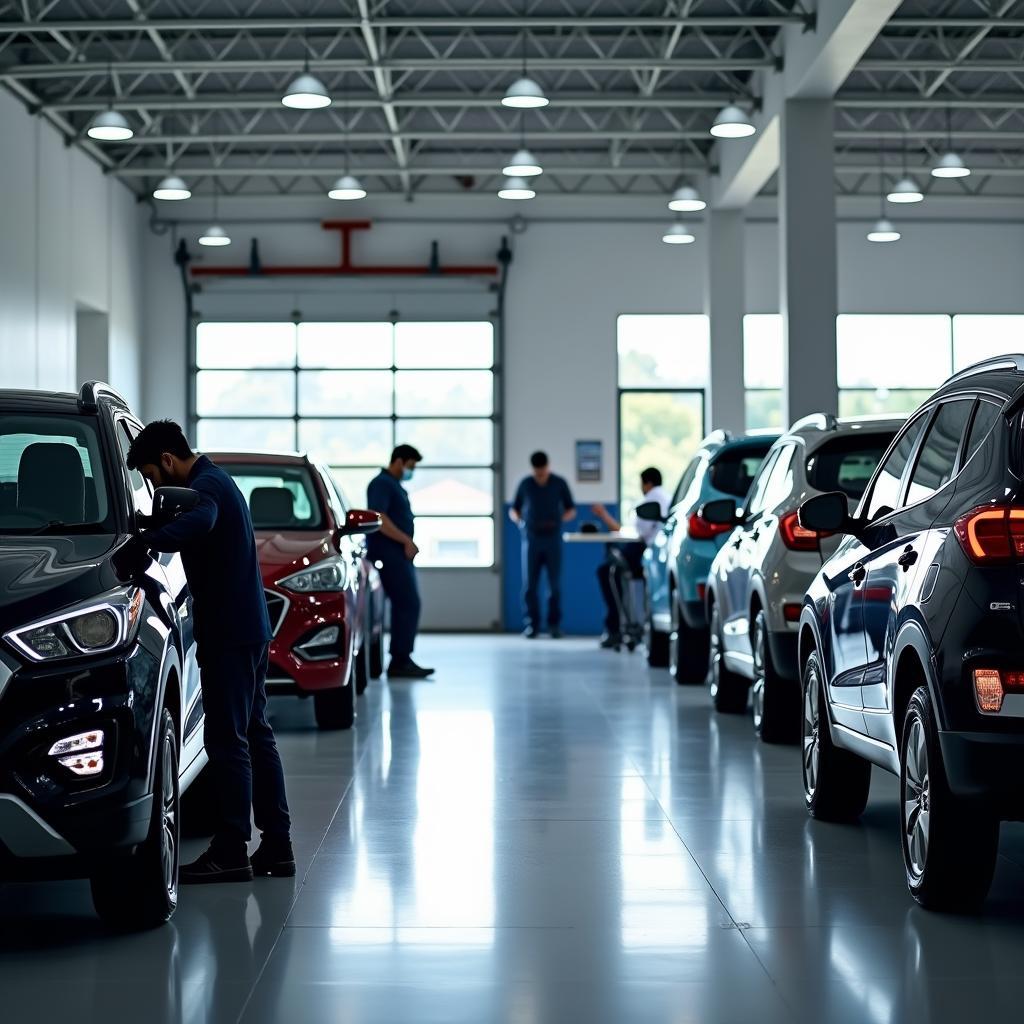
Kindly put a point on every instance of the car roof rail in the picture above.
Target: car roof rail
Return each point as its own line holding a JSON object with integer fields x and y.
{"x": 718, "y": 437}
{"x": 819, "y": 420}
{"x": 92, "y": 391}
{"x": 1011, "y": 361}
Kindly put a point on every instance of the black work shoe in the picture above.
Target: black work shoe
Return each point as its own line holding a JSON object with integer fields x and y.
{"x": 531, "y": 633}
{"x": 216, "y": 866}
{"x": 408, "y": 670}
{"x": 273, "y": 857}
{"x": 610, "y": 641}
{"x": 556, "y": 633}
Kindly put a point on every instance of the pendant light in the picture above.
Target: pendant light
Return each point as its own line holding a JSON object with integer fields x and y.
{"x": 523, "y": 163}
{"x": 950, "y": 164}
{"x": 215, "y": 235}
{"x": 348, "y": 187}
{"x": 883, "y": 230}
{"x": 110, "y": 125}
{"x": 732, "y": 122}
{"x": 686, "y": 199}
{"x": 172, "y": 189}
{"x": 678, "y": 234}
{"x": 306, "y": 91}
{"x": 516, "y": 188}
{"x": 905, "y": 190}
{"x": 524, "y": 93}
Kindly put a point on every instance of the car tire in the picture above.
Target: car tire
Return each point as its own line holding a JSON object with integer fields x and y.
{"x": 335, "y": 708}
{"x": 773, "y": 699}
{"x": 949, "y": 844}
{"x": 361, "y": 673}
{"x": 728, "y": 690}
{"x": 657, "y": 645}
{"x": 377, "y": 654}
{"x": 687, "y": 650}
{"x": 836, "y": 782}
{"x": 141, "y": 890}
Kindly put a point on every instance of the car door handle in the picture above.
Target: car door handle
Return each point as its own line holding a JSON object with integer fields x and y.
{"x": 755, "y": 535}
{"x": 738, "y": 542}
{"x": 907, "y": 559}
{"x": 858, "y": 574}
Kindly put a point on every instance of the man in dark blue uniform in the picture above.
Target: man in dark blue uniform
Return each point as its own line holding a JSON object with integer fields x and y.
{"x": 232, "y": 631}
{"x": 543, "y": 502}
{"x": 394, "y": 550}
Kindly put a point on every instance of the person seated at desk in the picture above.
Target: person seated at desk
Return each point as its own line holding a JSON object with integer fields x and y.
{"x": 646, "y": 530}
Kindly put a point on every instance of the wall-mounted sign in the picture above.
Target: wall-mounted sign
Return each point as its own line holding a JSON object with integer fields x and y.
{"x": 589, "y": 459}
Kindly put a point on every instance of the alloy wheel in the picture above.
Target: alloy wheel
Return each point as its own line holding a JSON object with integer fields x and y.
{"x": 757, "y": 694}
{"x": 811, "y": 737}
{"x": 916, "y": 799}
{"x": 169, "y": 820}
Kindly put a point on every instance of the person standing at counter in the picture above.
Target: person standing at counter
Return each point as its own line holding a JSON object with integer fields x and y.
{"x": 543, "y": 502}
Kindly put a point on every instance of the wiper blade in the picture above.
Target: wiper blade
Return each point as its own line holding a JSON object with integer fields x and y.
{"x": 53, "y": 524}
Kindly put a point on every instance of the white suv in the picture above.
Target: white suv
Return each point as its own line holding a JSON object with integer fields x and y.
{"x": 758, "y": 579}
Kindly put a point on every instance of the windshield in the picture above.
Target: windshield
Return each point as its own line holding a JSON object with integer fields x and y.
{"x": 847, "y": 464}
{"x": 279, "y": 497}
{"x": 52, "y": 478}
{"x": 734, "y": 469}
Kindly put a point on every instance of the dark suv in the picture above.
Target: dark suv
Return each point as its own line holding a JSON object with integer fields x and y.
{"x": 912, "y": 636}
{"x": 100, "y": 712}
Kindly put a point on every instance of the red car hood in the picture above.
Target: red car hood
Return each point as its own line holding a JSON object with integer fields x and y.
{"x": 281, "y": 552}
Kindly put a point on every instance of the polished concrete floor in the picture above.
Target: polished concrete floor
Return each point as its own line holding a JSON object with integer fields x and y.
{"x": 548, "y": 834}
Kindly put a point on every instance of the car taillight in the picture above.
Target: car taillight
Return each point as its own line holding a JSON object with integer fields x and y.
{"x": 990, "y": 686}
{"x": 991, "y": 534}
{"x": 791, "y": 611}
{"x": 797, "y": 537}
{"x": 700, "y": 529}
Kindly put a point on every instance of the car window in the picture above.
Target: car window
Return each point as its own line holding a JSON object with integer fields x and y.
{"x": 335, "y": 495}
{"x": 733, "y": 471}
{"x": 686, "y": 481}
{"x": 847, "y": 463}
{"x": 780, "y": 482}
{"x": 984, "y": 420}
{"x": 755, "y": 505}
{"x": 937, "y": 459}
{"x": 142, "y": 494}
{"x": 885, "y": 494}
{"x": 279, "y": 497}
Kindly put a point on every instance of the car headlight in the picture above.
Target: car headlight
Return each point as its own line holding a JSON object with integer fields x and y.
{"x": 94, "y": 627}
{"x": 328, "y": 576}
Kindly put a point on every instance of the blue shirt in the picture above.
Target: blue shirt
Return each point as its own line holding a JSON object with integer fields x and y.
{"x": 541, "y": 508}
{"x": 388, "y": 497}
{"x": 218, "y": 552}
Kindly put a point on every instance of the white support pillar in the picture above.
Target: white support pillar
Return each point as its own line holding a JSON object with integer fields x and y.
{"x": 807, "y": 258}
{"x": 725, "y": 304}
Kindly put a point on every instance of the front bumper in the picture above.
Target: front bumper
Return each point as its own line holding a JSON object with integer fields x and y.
{"x": 986, "y": 766}
{"x": 293, "y": 671}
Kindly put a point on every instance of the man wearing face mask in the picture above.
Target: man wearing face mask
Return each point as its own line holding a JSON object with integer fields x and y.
{"x": 394, "y": 550}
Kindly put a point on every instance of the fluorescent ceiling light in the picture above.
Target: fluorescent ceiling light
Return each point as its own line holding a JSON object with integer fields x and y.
{"x": 905, "y": 191}
{"x": 109, "y": 126}
{"x": 214, "y": 235}
{"x": 171, "y": 189}
{"x": 686, "y": 200}
{"x": 950, "y": 166}
{"x": 678, "y": 234}
{"x": 732, "y": 122}
{"x": 883, "y": 230}
{"x": 348, "y": 186}
{"x": 524, "y": 93}
{"x": 522, "y": 165}
{"x": 516, "y": 188}
{"x": 306, "y": 92}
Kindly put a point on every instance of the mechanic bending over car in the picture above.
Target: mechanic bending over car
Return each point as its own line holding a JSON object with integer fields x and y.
{"x": 232, "y": 631}
{"x": 646, "y": 529}
{"x": 394, "y": 550}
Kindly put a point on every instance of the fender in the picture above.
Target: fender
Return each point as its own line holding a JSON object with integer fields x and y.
{"x": 913, "y": 634}
{"x": 170, "y": 662}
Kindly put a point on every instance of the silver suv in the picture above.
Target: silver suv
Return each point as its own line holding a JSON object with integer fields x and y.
{"x": 758, "y": 579}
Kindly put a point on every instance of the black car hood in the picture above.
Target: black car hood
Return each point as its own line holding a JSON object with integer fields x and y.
{"x": 39, "y": 575}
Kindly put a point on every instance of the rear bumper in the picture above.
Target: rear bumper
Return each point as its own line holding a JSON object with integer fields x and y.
{"x": 986, "y": 766}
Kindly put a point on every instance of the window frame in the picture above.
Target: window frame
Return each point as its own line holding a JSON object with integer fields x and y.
{"x": 908, "y": 478}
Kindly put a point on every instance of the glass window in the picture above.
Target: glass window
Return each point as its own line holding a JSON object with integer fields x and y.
{"x": 345, "y": 393}
{"x": 455, "y": 542}
{"x": 353, "y": 482}
{"x": 245, "y": 345}
{"x": 981, "y": 336}
{"x": 669, "y": 351}
{"x": 350, "y": 346}
{"x": 937, "y": 460}
{"x": 239, "y": 392}
{"x": 885, "y": 495}
{"x": 452, "y": 393}
{"x": 763, "y": 370}
{"x": 444, "y": 345}
{"x": 452, "y": 492}
{"x": 279, "y": 497}
{"x": 246, "y": 435}
{"x": 984, "y": 420}
{"x": 347, "y": 442}
{"x": 759, "y": 486}
{"x": 733, "y": 471}
{"x": 686, "y": 480}
{"x": 142, "y": 495}
{"x": 780, "y": 483}
{"x": 892, "y": 351}
{"x": 855, "y": 403}
{"x": 449, "y": 442}
{"x": 847, "y": 463}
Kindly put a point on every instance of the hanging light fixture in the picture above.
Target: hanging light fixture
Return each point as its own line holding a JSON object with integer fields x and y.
{"x": 905, "y": 190}
{"x": 678, "y": 234}
{"x": 306, "y": 91}
{"x": 348, "y": 186}
{"x": 523, "y": 163}
{"x": 109, "y": 126}
{"x": 516, "y": 188}
{"x": 732, "y": 122}
{"x": 524, "y": 93}
{"x": 215, "y": 235}
{"x": 686, "y": 199}
{"x": 172, "y": 189}
{"x": 883, "y": 230}
{"x": 950, "y": 164}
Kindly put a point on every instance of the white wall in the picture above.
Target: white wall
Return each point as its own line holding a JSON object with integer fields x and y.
{"x": 70, "y": 238}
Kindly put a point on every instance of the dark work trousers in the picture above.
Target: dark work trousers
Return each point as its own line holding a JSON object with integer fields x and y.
{"x": 542, "y": 551}
{"x": 247, "y": 773}
{"x": 634, "y": 555}
{"x": 398, "y": 577}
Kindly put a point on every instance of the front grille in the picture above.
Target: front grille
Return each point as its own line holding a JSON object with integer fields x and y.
{"x": 277, "y": 608}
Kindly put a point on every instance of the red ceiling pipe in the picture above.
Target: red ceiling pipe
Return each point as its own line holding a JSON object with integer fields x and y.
{"x": 345, "y": 266}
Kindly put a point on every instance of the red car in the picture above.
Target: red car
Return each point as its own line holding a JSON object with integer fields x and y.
{"x": 324, "y": 596}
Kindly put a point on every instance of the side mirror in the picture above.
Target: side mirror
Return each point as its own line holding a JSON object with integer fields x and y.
{"x": 359, "y": 522}
{"x": 722, "y": 512}
{"x": 171, "y": 502}
{"x": 649, "y": 511}
{"x": 826, "y": 513}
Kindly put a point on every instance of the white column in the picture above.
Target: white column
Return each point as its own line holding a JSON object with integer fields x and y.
{"x": 807, "y": 258}
{"x": 725, "y": 303}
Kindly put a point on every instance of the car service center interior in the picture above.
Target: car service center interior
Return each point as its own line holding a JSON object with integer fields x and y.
{"x": 654, "y": 371}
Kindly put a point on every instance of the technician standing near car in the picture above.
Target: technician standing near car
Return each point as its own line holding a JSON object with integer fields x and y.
{"x": 543, "y": 502}
{"x": 394, "y": 549}
{"x": 232, "y": 631}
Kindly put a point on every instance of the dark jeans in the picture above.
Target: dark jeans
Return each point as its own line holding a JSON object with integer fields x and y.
{"x": 542, "y": 551}
{"x": 246, "y": 766}
{"x": 607, "y": 579}
{"x": 398, "y": 577}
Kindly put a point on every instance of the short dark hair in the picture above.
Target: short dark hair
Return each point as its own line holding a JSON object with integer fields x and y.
{"x": 651, "y": 476}
{"x": 406, "y": 453}
{"x": 158, "y": 437}
{"x": 539, "y": 460}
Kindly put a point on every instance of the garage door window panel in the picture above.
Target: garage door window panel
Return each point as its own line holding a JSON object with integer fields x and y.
{"x": 348, "y": 346}
{"x": 234, "y": 434}
{"x": 444, "y": 393}
{"x": 240, "y": 392}
{"x": 345, "y": 393}
{"x": 452, "y": 346}
{"x": 245, "y": 345}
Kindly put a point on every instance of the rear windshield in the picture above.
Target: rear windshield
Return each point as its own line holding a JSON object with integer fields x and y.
{"x": 52, "y": 478}
{"x": 734, "y": 471}
{"x": 847, "y": 463}
{"x": 279, "y": 497}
